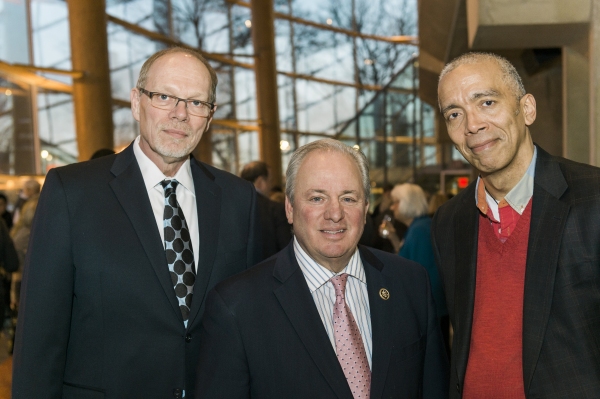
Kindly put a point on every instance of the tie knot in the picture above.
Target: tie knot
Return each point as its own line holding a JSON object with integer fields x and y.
{"x": 169, "y": 186}
{"x": 339, "y": 284}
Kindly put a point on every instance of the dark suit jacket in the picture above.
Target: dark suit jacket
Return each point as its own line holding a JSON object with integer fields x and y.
{"x": 561, "y": 309}
{"x": 275, "y": 231}
{"x": 99, "y": 316}
{"x": 262, "y": 335}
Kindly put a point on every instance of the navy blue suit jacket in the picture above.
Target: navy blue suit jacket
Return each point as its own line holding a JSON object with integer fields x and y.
{"x": 262, "y": 335}
{"x": 98, "y": 315}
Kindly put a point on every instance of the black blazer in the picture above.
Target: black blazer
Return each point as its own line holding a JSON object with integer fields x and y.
{"x": 262, "y": 335}
{"x": 99, "y": 316}
{"x": 275, "y": 231}
{"x": 561, "y": 309}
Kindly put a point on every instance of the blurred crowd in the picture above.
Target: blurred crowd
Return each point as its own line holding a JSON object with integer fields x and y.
{"x": 15, "y": 229}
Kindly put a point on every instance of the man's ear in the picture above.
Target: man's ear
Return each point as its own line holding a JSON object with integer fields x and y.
{"x": 134, "y": 97}
{"x": 289, "y": 210}
{"x": 366, "y": 211}
{"x": 528, "y": 107}
{"x": 210, "y": 118}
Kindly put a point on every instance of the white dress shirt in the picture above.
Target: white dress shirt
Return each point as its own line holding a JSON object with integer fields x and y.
{"x": 186, "y": 195}
{"x": 321, "y": 288}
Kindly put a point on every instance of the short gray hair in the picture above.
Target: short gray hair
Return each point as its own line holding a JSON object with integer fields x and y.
{"x": 141, "y": 83}
{"x": 413, "y": 202}
{"x": 326, "y": 145}
{"x": 509, "y": 74}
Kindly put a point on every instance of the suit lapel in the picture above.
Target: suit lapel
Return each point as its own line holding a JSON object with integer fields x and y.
{"x": 128, "y": 186}
{"x": 382, "y": 313}
{"x": 294, "y": 296}
{"x": 548, "y": 218}
{"x": 466, "y": 231}
{"x": 208, "y": 201}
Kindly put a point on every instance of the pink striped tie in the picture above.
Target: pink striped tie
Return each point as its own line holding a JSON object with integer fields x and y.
{"x": 348, "y": 343}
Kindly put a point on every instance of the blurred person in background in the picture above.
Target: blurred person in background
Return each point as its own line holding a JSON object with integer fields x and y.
{"x": 438, "y": 199}
{"x": 410, "y": 207}
{"x": 382, "y": 215}
{"x": 4, "y": 213}
{"x": 20, "y": 236}
{"x": 9, "y": 262}
{"x": 276, "y": 233}
{"x": 5, "y": 278}
{"x": 30, "y": 188}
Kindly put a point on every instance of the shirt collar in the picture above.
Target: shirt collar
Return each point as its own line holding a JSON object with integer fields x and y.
{"x": 153, "y": 176}
{"x": 517, "y": 198}
{"x": 316, "y": 275}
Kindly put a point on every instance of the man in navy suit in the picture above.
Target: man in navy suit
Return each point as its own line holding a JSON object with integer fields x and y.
{"x": 324, "y": 318}
{"x": 125, "y": 247}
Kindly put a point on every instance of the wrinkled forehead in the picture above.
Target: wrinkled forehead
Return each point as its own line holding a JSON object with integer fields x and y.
{"x": 469, "y": 79}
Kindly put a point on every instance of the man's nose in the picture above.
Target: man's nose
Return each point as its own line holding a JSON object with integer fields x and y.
{"x": 475, "y": 122}
{"x": 180, "y": 111}
{"x": 334, "y": 212}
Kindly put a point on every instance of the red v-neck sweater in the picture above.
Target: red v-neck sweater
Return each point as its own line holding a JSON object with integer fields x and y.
{"x": 495, "y": 366}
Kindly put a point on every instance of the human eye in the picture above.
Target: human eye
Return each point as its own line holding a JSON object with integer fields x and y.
{"x": 349, "y": 200}
{"x": 488, "y": 103}
{"x": 163, "y": 97}
{"x": 315, "y": 199}
{"x": 451, "y": 116}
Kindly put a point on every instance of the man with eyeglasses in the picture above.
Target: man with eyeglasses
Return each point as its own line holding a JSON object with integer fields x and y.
{"x": 125, "y": 248}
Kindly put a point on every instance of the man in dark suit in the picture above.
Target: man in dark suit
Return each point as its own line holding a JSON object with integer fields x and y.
{"x": 518, "y": 249}
{"x": 125, "y": 247}
{"x": 323, "y": 318}
{"x": 275, "y": 232}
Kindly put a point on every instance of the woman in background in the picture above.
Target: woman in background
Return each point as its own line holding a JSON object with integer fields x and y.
{"x": 410, "y": 207}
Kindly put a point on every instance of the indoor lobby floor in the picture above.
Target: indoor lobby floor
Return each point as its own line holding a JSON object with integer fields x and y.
{"x": 5, "y": 368}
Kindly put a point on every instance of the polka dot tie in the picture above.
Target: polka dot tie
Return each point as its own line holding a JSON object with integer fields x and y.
{"x": 348, "y": 342}
{"x": 178, "y": 248}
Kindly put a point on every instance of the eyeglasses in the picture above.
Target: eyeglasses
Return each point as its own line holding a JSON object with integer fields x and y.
{"x": 167, "y": 102}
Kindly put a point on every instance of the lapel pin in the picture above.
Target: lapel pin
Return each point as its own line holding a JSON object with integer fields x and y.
{"x": 384, "y": 294}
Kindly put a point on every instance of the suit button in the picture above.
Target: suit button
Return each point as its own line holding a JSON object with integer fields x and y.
{"x": 458, "y": 388}
{"x": 188, "y": 338}
{"x": 177, "y": 393}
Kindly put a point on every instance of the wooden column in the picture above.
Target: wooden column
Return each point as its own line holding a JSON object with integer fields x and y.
{"x": 91, "y": 94}
{"x": 263, "y": 37}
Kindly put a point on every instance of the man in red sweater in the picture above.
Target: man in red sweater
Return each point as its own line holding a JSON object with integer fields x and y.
{"x": 519, "y": 249}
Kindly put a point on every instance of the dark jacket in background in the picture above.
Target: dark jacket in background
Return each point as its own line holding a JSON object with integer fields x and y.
{"x": 275, "y": 231}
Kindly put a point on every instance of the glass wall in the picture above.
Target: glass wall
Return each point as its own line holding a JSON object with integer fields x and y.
{"x": 345, "y": 70}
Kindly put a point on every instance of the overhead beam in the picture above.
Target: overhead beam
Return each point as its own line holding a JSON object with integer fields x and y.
{"x": 414, "y": 40}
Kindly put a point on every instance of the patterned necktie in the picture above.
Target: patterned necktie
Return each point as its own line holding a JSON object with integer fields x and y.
{"x": 178, "y": 248}
{"x": 348, "y": 343}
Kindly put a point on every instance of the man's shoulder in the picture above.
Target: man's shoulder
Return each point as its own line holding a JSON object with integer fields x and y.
{"x": 392, "y": 264}
{"x": 582, "y": 180}
{"x": 86, "y": 170}
{"x": 223, "y": 178}
{"x": 250, "y": 282}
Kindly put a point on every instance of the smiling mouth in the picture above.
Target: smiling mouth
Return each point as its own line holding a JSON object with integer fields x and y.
{"x": 483, "y": 146}
{"x": 333, "y": 231}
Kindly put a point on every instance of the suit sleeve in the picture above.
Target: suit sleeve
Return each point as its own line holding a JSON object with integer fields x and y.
{"x": 435, "y": 372}
{"x": 10, "y": 259}
{"x": 46, "y": 299}
{"x": 222, "y": 367}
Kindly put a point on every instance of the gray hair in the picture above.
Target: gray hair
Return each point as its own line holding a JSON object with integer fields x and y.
{"x": 141, "y": 83}
{"x": 510, "y": 76}
{"x": 326, "y": 145}
{"x": 413, "y": 202}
